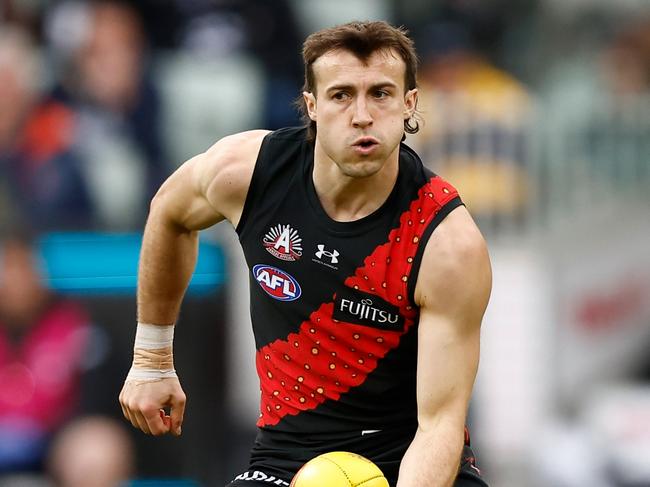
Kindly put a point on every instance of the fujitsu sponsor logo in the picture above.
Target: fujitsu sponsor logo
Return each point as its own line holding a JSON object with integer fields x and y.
{"x": 283, "y": 242}
{"x": 366, "y": 309}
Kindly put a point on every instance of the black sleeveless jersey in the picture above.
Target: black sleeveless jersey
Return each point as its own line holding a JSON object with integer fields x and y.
{"x": 332, "y": 302}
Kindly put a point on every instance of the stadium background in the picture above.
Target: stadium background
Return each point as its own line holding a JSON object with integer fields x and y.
{"x": 538, "y": 110}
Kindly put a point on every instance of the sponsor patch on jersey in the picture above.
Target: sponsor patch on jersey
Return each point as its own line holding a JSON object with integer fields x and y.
{"x": 352, "y": 306}
{"x": 283, "y": 242}
{"x": 326, "y": 256}
{"x": 277, "y": 283}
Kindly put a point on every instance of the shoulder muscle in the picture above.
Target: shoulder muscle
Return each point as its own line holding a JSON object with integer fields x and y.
{"x": 229, "y": 170}
{"x": 211, "y": 186}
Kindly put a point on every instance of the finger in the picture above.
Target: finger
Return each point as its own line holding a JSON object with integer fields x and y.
{"x": 129, "y": 416}
{"x": 125, "y": 412}
{"x": 124, "y": 403}
{"x": 155, "y": 422}
{"x": 132, "y": 417}
{"x": 177, "y": 413}
{"x": 167, "y": 420}
{"x": 142, "y": 422}
{"x": 137, "y": 418}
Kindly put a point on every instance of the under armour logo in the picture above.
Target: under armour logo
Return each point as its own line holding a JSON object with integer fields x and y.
{"x": 333, "y": 255}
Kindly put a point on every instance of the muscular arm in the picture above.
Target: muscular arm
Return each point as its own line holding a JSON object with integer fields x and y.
{"x": 205, "y": 190}
{"x": 452, "y": 291}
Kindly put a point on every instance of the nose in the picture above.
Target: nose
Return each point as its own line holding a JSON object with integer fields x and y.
{"x": 361, "y": 117}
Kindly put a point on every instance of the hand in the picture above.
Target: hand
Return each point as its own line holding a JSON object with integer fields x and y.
{"x": 144, "y": 403}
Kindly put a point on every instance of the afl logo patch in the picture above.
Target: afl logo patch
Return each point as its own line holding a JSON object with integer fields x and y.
{"x": 276, "y": 283}
{"x": 283, "y": 242}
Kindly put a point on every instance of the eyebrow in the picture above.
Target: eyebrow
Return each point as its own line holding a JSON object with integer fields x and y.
{"x": 344, "y": 86}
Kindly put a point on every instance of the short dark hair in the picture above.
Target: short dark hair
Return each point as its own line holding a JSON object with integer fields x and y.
{"x": 361, "y": 39}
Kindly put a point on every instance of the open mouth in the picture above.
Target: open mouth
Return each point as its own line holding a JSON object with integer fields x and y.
{"x": 366, "y": 143}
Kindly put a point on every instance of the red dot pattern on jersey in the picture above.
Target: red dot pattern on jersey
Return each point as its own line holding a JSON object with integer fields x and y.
{"x": 327, "y": 358}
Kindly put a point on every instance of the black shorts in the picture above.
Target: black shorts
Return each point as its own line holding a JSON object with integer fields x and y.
{"x": 468, "y": 475}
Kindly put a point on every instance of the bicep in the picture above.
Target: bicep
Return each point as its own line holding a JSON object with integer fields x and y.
{"x": 447, "y": 365}
{"x": 452, "y": 291}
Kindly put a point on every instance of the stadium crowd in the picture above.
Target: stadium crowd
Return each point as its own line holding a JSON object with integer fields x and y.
{"x": 87, "y": 135}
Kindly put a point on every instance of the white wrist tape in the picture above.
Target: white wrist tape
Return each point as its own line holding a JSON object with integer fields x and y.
{"x": 153, "y": 357}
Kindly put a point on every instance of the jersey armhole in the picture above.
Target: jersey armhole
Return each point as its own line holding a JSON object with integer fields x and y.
{"x": 433, "y": 224}
{"x": 254, "y": 187}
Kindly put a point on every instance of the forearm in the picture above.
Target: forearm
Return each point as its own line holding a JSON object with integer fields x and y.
{"x": 433, "y": 457}
{"x": 167, "y": 260}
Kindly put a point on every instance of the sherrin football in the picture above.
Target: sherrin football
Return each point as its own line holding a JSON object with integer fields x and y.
{"x": 339, "y": 469}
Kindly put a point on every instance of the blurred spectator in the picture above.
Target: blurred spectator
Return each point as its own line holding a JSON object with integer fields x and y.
{"x": 600, "y": 102}
{"x": 623, "y": 121}
{"x": 626, "y": 60}
{"x": 617, "y": 68}
{"x": 107, "y": 83}
{"x": 475, "y": 119}
{"x": 24, "y": 14}
{"x": 92, "y": 452}
{"x": 275, "y": 39}
{"x": 37, "y": 162}
{"x": 266, "y": 29}
{"x": 43, "y": 340}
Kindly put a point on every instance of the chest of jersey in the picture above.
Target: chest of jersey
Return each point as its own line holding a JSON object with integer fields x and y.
{"x": 331, "y": 302}
{"x": 296, "y": 266}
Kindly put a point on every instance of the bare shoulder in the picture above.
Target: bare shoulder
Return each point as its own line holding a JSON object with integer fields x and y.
{"x": 227, "y": 169}
{"x": 212, "y": 185}
{"x": 236, "y": 149}
{"x": 455, "y": 275}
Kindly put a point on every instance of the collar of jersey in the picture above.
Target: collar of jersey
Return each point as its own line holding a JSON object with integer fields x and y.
{"x": 350, "y": 228}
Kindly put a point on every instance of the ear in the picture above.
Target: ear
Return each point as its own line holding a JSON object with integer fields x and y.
{"x": 310, "y": 101}
{"x": 410, "y": 103}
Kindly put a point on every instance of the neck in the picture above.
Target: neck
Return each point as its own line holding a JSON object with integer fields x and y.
{"x": 345, "y": 198}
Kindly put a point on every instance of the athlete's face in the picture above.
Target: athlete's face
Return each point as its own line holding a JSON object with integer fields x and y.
{"x": 359, "y": 109}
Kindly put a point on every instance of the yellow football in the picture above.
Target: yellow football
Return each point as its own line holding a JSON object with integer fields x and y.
{"x": 339, "y": 469}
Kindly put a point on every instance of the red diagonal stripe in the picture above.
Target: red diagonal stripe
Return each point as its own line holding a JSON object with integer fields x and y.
{"x": 325, "y": 359}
